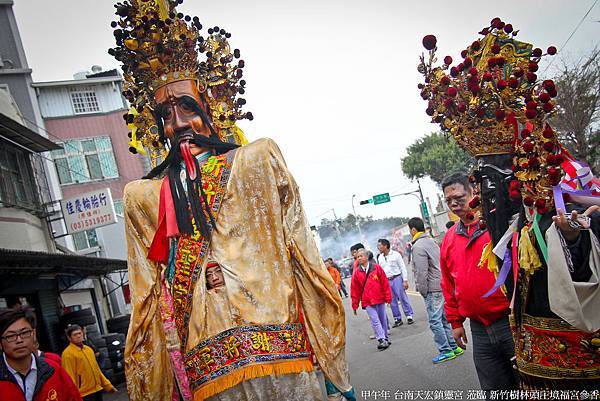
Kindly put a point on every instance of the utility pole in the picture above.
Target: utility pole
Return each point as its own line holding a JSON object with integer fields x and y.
{"x": 335, "y": 223}
{"x": 423, "y": 206}
{"x": 356, "y": 218}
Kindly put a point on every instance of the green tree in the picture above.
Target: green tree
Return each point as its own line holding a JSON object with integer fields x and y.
{"x": 435, "y": 156}
{"x": 578, "y": 117}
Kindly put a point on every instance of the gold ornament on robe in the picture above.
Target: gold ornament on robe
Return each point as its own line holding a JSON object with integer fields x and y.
{"x": 272, "y": 268}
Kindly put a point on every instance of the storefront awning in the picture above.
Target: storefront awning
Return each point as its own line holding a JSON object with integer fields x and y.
{"x": 13, "y": 131}
{"x": 31, "y": 263}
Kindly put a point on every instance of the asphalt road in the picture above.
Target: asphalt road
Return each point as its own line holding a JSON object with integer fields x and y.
{"x": 404, "y": 370}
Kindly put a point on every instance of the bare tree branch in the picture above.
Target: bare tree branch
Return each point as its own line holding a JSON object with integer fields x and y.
{"x": 578, "y": 108}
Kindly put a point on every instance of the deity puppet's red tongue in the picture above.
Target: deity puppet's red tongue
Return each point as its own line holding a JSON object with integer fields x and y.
{"x": 188, "y": 159}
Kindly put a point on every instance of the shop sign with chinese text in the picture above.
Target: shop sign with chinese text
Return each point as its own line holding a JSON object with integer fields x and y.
{"x": 90, "y": 210}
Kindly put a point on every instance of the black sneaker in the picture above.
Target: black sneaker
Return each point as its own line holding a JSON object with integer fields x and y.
{"x": 398, "y": 323}
{"x": 410, "y": 320}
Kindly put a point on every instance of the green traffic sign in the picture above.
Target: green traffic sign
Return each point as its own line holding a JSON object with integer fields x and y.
{"x": 381, "y": 198}
{"x": 425, "y": 210}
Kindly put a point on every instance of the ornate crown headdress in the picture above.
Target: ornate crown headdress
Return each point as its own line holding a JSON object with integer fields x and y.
{"x": 158, "y": 45}
{"x": 492, "y": 103}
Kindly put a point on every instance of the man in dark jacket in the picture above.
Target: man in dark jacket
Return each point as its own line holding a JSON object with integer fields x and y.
{"x": 426, "y": 270}
{"x": 24, "y": 376}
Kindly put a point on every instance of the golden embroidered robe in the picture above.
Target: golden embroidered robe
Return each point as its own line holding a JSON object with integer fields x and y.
{"x": 272, "y": 268}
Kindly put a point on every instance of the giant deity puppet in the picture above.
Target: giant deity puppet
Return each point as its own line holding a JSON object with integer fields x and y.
{"x": 230, "y": 297}
{"x": 546, "y": 262}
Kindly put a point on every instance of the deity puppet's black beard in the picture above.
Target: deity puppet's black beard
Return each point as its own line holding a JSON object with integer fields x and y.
{"x": 191, "y": 207}
{"x": 495, "y": 176}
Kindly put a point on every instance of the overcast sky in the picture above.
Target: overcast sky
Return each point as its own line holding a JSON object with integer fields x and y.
{"x": 333, "y": 82}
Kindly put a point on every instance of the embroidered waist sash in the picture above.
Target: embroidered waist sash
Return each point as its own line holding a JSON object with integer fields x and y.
{"x": 246, "y": 352}
{"x": 551, "y": 348}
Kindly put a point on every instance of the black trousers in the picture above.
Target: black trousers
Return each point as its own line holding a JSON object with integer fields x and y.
{"x": 93, "y": 397}
{"x": 343, "y": 288}
{"x": 493, "y": 348}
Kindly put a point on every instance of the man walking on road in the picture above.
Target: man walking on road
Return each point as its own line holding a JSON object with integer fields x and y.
{"x": 354, "y": 252}
{"x": 393, "y": 265}
{"x": 25, "y": 376}
{"x": 426, "y": 269}
{"x": 329, "y": 263}
{"x": 335, "y": 274}
{"x": 370, "y": 288}
{"x": 80, "y": 363}
{"x": 464, "y": 283}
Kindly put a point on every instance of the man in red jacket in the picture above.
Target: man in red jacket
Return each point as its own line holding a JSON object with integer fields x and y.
{"x": 24, "y": 376}
{"x": 370, "y": 287}
{"x": 464, "y": 283}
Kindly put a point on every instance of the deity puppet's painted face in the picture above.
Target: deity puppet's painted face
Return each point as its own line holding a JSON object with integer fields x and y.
{"x": 177, "y": 104}
{"x": 214, "y": 276}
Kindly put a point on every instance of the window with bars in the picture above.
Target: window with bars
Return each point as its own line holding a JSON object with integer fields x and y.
{"x": 85, "y": 240}
{"x": 84, "y": 100}
{"x": 118, "y": 206}
{"x": 85, "y": 160}
{"x": 17, "y": 184}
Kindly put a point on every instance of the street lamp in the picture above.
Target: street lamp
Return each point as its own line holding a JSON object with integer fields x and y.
{"x": 414, "y": 193}
{"x": 417, "y": 193}
{"x": 356, "y": 218}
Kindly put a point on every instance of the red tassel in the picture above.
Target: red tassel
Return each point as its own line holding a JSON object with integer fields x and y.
{"x": 159, "y": 249}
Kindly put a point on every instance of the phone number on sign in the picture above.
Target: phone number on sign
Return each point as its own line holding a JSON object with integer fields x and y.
{"x": 91, "y": 222}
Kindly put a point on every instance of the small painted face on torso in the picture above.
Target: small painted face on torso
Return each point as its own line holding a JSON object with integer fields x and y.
{"x": 214, "y": 276}
{"x": 177, "y": 105}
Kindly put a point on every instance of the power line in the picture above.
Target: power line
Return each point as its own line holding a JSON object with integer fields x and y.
{"x": 572, "y": 33}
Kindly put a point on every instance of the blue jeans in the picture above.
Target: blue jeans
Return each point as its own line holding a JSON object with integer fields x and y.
{"x": 442, "y": 332}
